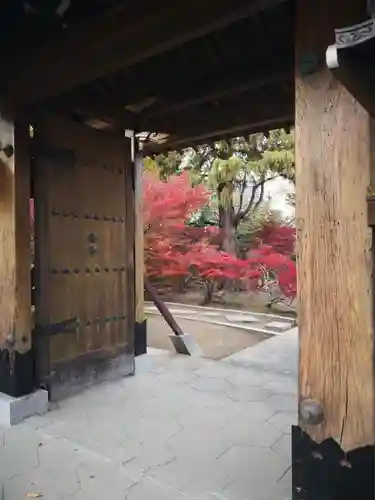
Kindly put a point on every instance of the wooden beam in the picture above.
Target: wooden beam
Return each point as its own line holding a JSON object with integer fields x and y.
{"x": 81, "y": 103}
{"x": 120, "y": 39}
{"x": 183, "y": 93}
{"x": 183, "y": 142}
{"x": 16, "y": 368}
{"x": 333, "y": 445}
{"x": 250, "y": 111}
{"x": 252, "y": 81}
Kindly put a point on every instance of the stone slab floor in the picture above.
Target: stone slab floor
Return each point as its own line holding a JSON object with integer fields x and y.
{"x": 181, "y": 429}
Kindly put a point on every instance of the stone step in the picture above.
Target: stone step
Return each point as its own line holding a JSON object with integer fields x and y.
{"x": 181, "y": 310}
{"x": 242, "y": 318}
{"x": 279, "y": 326}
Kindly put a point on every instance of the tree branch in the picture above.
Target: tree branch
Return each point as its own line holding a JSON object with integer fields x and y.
{"x": 251, "y": 207}
{"x": 203, "y": 156}
{"x": 243, "y": 189}
{"x": 241, "y": 214}
{"x": 259, "y": 201}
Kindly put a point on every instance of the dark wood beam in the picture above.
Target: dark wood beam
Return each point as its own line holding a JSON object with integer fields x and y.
{"x": 251, "y": 81}
{"x": 121, "y": 39}
{"x": 249, "y": 107}
{"x": 180, "y": 143}
{"x": 177, "y": 87}
{"x": 112, "y": 109}
{"x": 91, "y": 107}
{"x": 250, "y": 120}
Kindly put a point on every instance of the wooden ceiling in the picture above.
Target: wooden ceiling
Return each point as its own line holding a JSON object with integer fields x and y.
{"x": 194, "y": 70}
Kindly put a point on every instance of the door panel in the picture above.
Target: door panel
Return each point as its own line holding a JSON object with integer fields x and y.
{"x": 84, "y": 242}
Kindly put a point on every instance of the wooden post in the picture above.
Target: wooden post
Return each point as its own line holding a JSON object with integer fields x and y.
{"x": 140, "y": 341}
{"x": 333, "y": 445}
{"x": 16, "y": 360}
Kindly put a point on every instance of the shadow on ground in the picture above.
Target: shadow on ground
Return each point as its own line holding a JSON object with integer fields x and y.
{"x": 216, "y": 341}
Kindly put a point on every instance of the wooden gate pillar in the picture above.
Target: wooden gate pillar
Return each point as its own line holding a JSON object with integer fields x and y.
{"x": 140, "y": 339}
{"x": 333, "y": 444}
{"x": 16, "y": 359}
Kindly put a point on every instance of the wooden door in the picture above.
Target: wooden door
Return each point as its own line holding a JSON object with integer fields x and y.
{"x": 84, "y": 253}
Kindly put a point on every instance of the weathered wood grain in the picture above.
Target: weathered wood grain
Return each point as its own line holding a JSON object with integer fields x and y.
{"x": 83, "y": 244}
{"x": 15, "y": 231}
{"x": 336, "y": 366}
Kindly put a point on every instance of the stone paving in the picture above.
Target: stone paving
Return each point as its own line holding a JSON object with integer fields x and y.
{"x": 252, "y": 322}
{"x": 181, "y": 429}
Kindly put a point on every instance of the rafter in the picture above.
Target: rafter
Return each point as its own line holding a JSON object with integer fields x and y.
{"x": 249, "y": 119}
{"x": 111, "y": 109}
{"x": 203, "y": 95}
{"x": 108, "y": 110}
{"x": 122, "y": 38}
{"x": 243, "y": 109}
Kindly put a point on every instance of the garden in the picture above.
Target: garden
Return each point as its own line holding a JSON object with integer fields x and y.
{"x": 210, "y": 235}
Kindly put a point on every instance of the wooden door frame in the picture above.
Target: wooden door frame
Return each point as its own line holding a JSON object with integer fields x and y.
{"x": 112, "y": 364}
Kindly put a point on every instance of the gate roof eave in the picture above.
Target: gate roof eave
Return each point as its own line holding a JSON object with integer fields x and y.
{"x": 185, "y": 70}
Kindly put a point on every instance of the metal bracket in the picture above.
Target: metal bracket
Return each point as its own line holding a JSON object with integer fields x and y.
{"x": 67, "y": 326}
{"x": 311, "y": 412}
{"x": 8, "y": 150}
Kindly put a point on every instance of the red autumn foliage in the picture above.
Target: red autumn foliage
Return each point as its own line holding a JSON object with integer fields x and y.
{"x": 167, "y": 206}
{"x": 278, "y": 266}
{"x": 175, "y": 250}
{"x": 175, "y": 200}
{"x": 212, "y": 267}
{"x": 280, "y": 237}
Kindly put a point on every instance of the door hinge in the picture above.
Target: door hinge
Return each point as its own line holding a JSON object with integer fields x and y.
{"x": 70, "y": 325}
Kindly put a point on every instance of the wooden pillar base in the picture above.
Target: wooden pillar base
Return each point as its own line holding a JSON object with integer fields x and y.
{"x": 16, "y": 373}
{"x": 325, "y": 472}
{"x": 140, "y": 338}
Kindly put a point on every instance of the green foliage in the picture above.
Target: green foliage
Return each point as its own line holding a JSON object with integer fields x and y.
{"x": 228, "y": 161}
{"x": 205, "y": 217}
{"x": 150, "y": 165}
{"x": 250, "y": 226}
{"x": 248, "y": 229}
{"x": 236, "y": 170}
{"x": 164, "y": 165}
{"x": 244, "y": 162}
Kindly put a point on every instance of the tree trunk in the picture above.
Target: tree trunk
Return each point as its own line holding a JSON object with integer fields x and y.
{"x": 226, "y": 222}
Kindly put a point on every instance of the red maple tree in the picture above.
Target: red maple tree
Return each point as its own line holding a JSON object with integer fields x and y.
{"x": 167, "y": 207}
{"x": 280, "y": 237}
{"x": 178, "y": 252}
{"x": 278, "y": 270}
{"x": 213, "y": 267}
